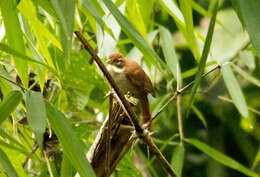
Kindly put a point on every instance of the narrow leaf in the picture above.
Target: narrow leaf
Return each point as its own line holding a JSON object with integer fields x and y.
{"x": 246, "y": 75}
{"x": 66, "y": 167}
{"x": 36, "y": 114}
{"x": 178, "y": 159}
{"x": 65, "y": 11}
{"x": 199, "y": 115}
{"x": 186, "y": 7}
{"x": 14, "y": 36}
{"x": 169, "y": 51}
{"x": 257, "y": 159}
{"x": 133, "y": 34}
{"x": 8, "y": 105}
{"x": 223, "y": 159}
{"x": 174, "y": 11}
{"x": 21, "y": 56}
{"x": 234, "y": 90}
{"x": 250, "y": 12}
{"x": 73, "y": 147}
{"x": 204, "y": 56}
{"x": 6, "y": 165}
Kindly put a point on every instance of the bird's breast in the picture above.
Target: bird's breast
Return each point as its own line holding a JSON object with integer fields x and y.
{"x": 121, "y": 80}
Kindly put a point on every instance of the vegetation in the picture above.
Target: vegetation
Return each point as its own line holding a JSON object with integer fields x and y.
{"x": 203, "y": 59}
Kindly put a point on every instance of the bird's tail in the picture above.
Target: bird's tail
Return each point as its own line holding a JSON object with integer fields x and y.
{"x": 145, "y": 111}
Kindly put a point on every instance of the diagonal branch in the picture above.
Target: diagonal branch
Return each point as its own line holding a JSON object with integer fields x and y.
{"x": 143, "y": 135}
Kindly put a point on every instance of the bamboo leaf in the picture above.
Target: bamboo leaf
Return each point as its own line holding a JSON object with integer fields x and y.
{"x": 67, "y": 169}
{"x": 250, "y": 12}
{"x": 199, "y": 115}
{"x": 234, "y": 90}
{"x": 6, "y": 165}
{"x": 14, "y": 36}
{"x": 169, "y": 52}
{"x": 133, "y": 34}
{"x": 65, "y": 11}
{"x": 36, "y": 114}
{"x": 204, "y": 56}
{"x": 223, "y": 159}
{"x": 174, "y": 11}
{"x": 178, "y": 159}
{"x": 21, "y": 56}
{"x": 257, "y": 159}
{"x": 186, "y": 7}
{"x": 8, "y": 105}
{"x": 247, "y": 76}
{"x": 73, "y": 147}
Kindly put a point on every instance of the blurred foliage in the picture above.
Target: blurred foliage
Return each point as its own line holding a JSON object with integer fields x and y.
{"x": 40, "y": 54}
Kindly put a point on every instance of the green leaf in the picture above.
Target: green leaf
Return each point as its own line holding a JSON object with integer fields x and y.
{"x": 36, "y": 114}
{"x": 6, "y": 165}
{"x": 247, "y": 76}
{"x": 90, "y": 7}
{"x": 42, "y": 34}
{"x": 247, "y": 58}
{"x": 12, "y": 140}
{"x": 187, "y": 13}
{"x": 14, "y": 36}
{"x": 169, "y": 52}
{"x": 199, "y": 115}
{"x": 237, "y": 8}
{"x": 174, "y": 11}
{"x": 21, "y": 56}
{"x": 134, "y": 35}
{"x": 257, "y": 159}
{"x": 178, "y": 159}
{"x": 67, "y": 169}
{"x": 250, "y": 12}
{"x": 73, "y": 147}
{"x": 223, "y": 159}
{"x": 8, "y": 105}
{"x": 234, "y": 90}
{"x": 204, "y": 56}
{"x": 65, "y": 11}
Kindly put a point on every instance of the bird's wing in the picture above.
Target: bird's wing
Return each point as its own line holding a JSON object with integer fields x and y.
{"x": 140, "y": 80}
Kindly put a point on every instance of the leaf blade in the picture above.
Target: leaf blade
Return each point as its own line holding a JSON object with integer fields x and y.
{"x": 6, "y": 165}
{"x": 8, "y": 105}
{"x": 218, "y": 156}
{"x": 74, "y": 151}
{"x": 36, "y": 114}
{"x": 234, "y": 90}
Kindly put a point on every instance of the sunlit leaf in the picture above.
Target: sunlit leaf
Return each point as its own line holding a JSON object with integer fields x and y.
{"x": 250, "y": 14}
{"x": 14, "y": 36}
{"x": 186, "y": 7}
{"x": 204, "y": 56}
{"x": 169, "y": 52}
{"x": 178, "y": 159}
{"x": 223, "y": 159}
{"x": 36, "y": 114}
{"x": 65, "y": 11}
{"x": 234, "y": 90}
{"x": 8, "y": 105}
{"x": 6, "y": 165}
{"x": 73, "y": 147}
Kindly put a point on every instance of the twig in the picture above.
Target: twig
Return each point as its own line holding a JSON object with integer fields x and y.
{"x": 231, "y": 101}
{"x": 178, "y": 92}
{"x": 144, "y": 135}
{"x": 20, "y": 86}
{"x": 48, "y": 164}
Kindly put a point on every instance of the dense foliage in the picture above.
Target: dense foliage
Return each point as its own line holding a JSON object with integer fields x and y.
{"x": 53, "y": 98}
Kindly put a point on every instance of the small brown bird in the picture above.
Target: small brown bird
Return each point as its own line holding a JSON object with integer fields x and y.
{"x": 130, "y": 77}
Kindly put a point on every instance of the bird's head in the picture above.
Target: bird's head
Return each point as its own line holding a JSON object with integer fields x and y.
{"x": 116, "y": 59}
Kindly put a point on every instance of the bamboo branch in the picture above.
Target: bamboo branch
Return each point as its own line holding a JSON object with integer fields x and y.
{"x": 143, "y": 135}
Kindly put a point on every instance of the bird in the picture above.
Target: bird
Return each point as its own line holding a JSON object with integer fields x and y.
{"x": 131, "y": 78}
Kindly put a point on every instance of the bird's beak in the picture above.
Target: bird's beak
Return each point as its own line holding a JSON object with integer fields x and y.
{"x": 109, "y": 61}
